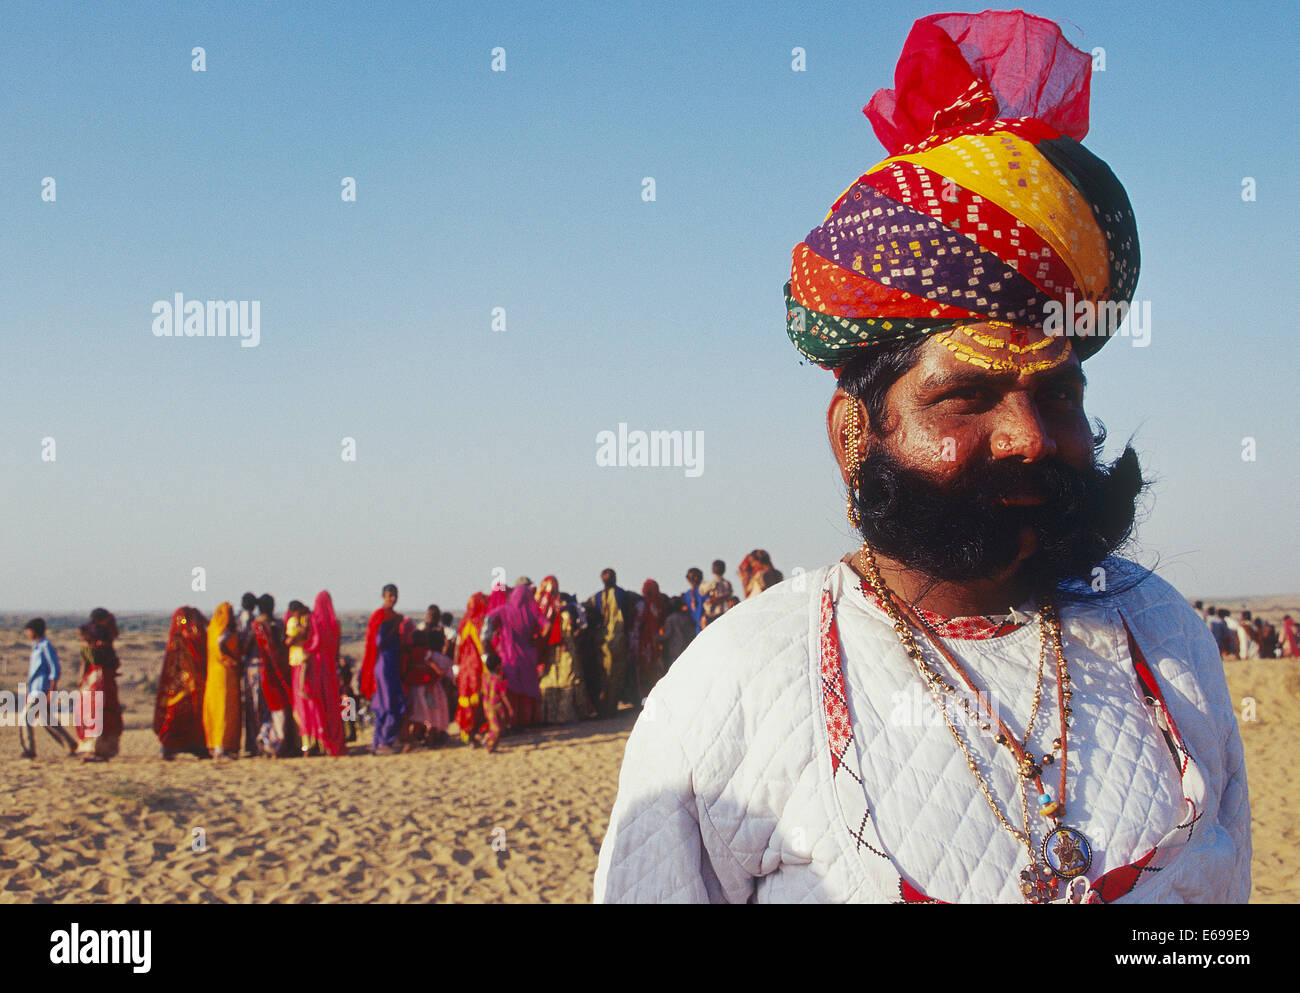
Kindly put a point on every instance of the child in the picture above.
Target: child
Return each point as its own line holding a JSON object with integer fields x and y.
{"x": 417, "y": 676}
{"x": 351, "y": 705}
{"x": 440, "y": 663}
{"x": 42, "y": 685}
{"x": 496, "y": 705}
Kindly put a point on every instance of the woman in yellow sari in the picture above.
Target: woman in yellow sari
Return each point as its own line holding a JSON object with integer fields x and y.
{"x": 221, "y": 690}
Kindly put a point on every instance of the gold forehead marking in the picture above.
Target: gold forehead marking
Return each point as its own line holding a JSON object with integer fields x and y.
{"x": 992, "y": 353}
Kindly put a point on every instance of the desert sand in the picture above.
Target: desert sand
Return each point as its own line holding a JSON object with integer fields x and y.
{"x": 440, "y": 825}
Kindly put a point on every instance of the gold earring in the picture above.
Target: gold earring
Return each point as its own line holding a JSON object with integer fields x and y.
{"x": 851, "y": 436}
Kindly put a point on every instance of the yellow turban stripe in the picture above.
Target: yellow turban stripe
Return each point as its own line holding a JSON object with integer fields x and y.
{"x": 1010, "y": 173}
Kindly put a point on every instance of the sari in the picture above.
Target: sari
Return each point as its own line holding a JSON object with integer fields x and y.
{"x": 366, "y": 685}
{"x": 276, "y": 736}
{"x": 256, "y": 713}
{"x": 469, "y": 668}
{"x": 752, "y": 567}
{"x": 564, "y": 697}
{"x": 323, "y": 659}
{"x": 99, "y": 727}
{"x": 178, "y": 710}
{"x": 515, "y": 628}
{"x": 306, "y": 707}
{"x": 221, "y": 689}
{"x": 647, "y": 649}
{"x": 388, "y": 702}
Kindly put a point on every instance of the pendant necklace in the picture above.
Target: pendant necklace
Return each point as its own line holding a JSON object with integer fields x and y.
{"x": 1065, "y": 853}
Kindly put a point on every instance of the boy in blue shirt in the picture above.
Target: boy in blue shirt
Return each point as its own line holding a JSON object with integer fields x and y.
{"x": 42, "y": 678}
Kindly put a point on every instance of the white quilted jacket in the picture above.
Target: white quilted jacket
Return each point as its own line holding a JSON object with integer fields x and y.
{"x": 728, "y": 792}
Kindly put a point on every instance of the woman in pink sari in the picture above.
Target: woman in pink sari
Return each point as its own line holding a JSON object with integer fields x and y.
{"x": 324, "y": 717}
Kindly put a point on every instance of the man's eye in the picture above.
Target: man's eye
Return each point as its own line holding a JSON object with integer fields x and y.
{"x": 968, "y": 393}
{"x": 1065, "y": 394}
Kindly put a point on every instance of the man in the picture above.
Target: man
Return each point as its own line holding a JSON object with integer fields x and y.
{"x": 1218, "y": 629}
{"x": 694, "y": 596}
{"x": 880, "y": 731}
{"x": 614, "y": 609}
{"x": 1267, "y": 635}
{"x": 1230, "y": 644}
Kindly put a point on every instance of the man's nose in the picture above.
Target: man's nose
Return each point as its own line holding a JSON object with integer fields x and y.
{"x": 1020, "y": 431}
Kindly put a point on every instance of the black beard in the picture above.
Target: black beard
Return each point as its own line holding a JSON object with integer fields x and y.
{"x": 959, "y": 531}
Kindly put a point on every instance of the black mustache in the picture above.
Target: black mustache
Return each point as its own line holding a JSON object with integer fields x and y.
{"x": 961, "y": 529}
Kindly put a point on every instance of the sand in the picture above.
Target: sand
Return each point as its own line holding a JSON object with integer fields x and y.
{"x": 451, "y": 824}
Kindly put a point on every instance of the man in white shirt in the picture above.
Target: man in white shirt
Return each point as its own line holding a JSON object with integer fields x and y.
{"x": 982, "y": 703}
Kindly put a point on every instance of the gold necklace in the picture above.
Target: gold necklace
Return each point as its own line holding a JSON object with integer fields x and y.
{"x": 1072, "y": 855}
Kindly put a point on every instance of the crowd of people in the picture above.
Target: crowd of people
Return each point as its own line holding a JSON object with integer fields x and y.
{"x": 249, "y": 682}
{"x": 1249, "y": 637}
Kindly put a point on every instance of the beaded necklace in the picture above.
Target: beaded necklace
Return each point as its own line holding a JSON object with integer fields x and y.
{"x": 1066, "y": 853}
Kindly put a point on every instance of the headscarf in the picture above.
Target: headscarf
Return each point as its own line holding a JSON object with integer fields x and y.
{"x": 515, "y": 628}
{"x": 218, "y": 631}
{"x": 654, "y": 611}
{"x": 178, "y": 708}
{"x": 988, "y": 208}
{"x": 370, "y": 656}
{"x": 751, "y": 567}
{"x": 472, "y": 622}
{"x": 323, "y": 642}
{"x": 276, "y": 680}
{"x": 549, "y": 602}
{"x": 99, "y": 637}
{"x": 323, "y": 646}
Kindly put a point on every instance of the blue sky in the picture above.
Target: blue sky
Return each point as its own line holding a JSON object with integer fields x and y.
{"x": 522, "y": 190}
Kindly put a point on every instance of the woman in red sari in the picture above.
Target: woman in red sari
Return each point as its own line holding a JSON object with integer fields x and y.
{"x": 469, "y": 668}
{"x": 99, "y": 727}
{"x": 178, "y": 712}
{"x": 647, "y": 649}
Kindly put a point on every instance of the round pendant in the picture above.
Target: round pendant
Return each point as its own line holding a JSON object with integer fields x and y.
{"x": 1067, "y": 852}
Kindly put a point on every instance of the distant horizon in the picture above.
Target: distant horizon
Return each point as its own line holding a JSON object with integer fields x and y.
{"x": 18, "y": 616}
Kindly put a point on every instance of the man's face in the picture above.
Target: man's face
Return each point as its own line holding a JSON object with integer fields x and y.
{"x": 977, "y": 469}
{"x": 390, "y": 600}
{"x": 945, "y": 414}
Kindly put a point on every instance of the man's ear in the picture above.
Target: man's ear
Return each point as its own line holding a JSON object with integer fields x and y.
{"x": 848, "y": 445}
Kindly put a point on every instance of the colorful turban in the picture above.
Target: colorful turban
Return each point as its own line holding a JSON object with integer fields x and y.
{"x": 988, "y": 208}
